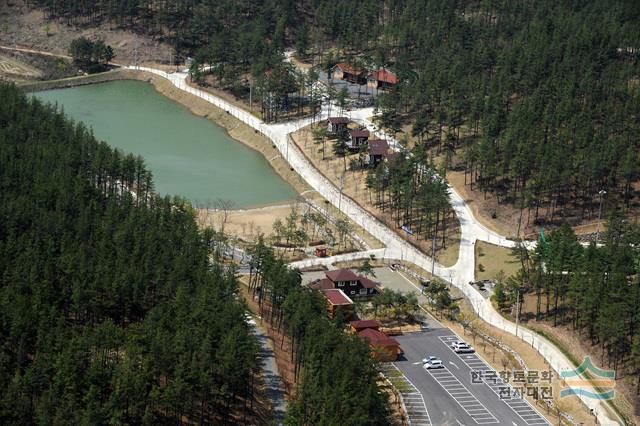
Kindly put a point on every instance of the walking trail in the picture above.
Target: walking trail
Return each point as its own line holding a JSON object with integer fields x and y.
{"x": 458, "y": 275}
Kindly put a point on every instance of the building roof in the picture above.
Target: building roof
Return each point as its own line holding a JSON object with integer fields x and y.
{"x": 322, "y": 284}
{"x": 367, "y": 283}
{"x": 359, "y": 133}
{"x": 338, "y": 120}
{"x": 342, "y": 275}
{"x": 337, "y": 297}
{"x": 345, "y": 67}
{"x": 378, "y": 147}
{"x": 363, "y": 324}
{"x": 384, "y": 76}
{"x": 377, "y": 338}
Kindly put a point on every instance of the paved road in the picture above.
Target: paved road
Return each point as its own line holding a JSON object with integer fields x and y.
{"x": 275, "y": 391}
{"x": 451, "y": 396}
{"x": 396, "y": 248}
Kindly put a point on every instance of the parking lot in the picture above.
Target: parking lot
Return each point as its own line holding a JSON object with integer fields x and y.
{"x": 467, "y": 391}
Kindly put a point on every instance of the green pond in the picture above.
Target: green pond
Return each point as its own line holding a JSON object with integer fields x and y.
{"x": 189, "y": 155}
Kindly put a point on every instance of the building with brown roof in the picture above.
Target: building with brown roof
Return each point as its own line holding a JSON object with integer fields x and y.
{"x": 382, "y": 79}
{"x": 360, "y": 325}
{"x": 359, "y": 137}
{"x": 378, "y": 149}
{"x": 348, "y": 281}
{"x": 337, "y": 124}
{"x": 344, "y": 71}
{"x": 383, "y": 347}
{"x": 337, "y": 301}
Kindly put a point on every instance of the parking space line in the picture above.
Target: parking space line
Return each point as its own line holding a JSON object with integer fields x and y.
{"x": 412, "y": 399}
{"x": 518, "y": 404}
{"x": 469, "y": 403}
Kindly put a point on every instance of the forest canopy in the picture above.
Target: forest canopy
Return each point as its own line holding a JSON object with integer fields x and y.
{"x": 115, "y": 307}
{"x": 538, "y": 101}
{"x": 111, "y": 310}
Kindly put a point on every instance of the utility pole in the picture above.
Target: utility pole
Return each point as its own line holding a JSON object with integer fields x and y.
{"x": 517, "y": 310}
{"x": 602, "y": 192}
{"x": 250, "y": 94}
{"x": 433, "y": 255}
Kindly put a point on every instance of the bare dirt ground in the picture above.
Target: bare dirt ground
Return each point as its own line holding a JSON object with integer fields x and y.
{"x": 579, "y": 347}
{"x": 17, "y": 71}
{"x": 354, "y": 186}
{"x": 22, "y": 26}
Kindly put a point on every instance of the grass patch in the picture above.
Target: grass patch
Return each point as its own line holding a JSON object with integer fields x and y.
{"x": 491, "y": 259}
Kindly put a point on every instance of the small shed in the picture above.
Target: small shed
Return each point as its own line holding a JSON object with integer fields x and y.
{"x": 321, "y": 251}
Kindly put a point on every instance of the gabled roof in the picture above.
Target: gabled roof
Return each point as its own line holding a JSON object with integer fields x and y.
{"x": 338, "y": 120}
{"x": 345, "y": 67}
{"x": 341, "y": 275}
{"x": 359, "y": 133}
{"x": 363, "y": 324}
{"x": 367, "y": 283}
{"x": 324, "y": 283}
{"x": 377, "y": 338}
{"x": 337, "y": 297}
{"x": 378, "y": 147}
{"x": 384, "y": 76}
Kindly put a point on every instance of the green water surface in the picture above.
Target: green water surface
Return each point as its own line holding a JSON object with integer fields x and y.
{"x": 189, "y": 156}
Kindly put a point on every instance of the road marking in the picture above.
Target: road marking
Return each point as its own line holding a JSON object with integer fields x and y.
{"x": 519, "y": 405}
{"x": 452, "y": 363}
{"x": 469, "y": 403}
{"x": 412, "y": 399}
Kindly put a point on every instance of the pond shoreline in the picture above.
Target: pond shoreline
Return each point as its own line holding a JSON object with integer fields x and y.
{"x": 233, "y": 128}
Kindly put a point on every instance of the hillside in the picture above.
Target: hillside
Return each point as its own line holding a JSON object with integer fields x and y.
{"x": 110, "y": 309}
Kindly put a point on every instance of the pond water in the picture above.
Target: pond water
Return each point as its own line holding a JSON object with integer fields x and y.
{"x": 189, "y": 155}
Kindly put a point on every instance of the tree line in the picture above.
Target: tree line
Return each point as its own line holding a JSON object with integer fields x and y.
{"x": 414, "y": 194}
{"x": 111, "y": 309}
{"x": 594, "y": 290}
{"x": 535, "y": 101}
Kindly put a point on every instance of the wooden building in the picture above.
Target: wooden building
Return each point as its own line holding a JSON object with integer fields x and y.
{"x": 344, "y": 71}
{"x": 337, "y": 301}
{"x": 378, "y": 149}
{"x": 359, "y": 325}
{"x": 337, "y": 124}
{"x": 359, "y": 137}
{"x": 347, "y": 281}
{"x": 383, "y": 347}
{"x": 382, "y": 80}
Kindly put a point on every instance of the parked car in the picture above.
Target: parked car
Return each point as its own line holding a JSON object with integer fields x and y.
{"x": 460, "y": 347}
{"x": 433, "y": 364}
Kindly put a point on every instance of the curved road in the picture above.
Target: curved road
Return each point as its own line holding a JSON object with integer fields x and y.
{"x": 396, "y": 248}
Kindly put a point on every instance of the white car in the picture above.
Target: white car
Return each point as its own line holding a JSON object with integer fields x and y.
{"x": 429, "y": 359}
{"x": 460, "y": 347}
{"x": 434, "y": 363}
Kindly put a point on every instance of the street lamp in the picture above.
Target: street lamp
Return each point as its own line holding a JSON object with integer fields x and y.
{"x": 602, "y": 192}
